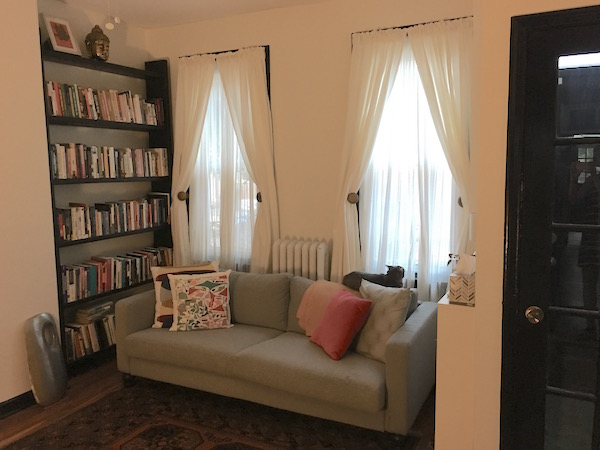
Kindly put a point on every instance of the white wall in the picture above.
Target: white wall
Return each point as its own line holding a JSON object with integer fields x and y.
{"x": 310, "y": 57}
{"x": 28, "y": 274}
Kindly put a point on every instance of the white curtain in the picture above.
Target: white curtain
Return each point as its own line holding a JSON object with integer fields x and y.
{"x": 222, "y": 195}
{"x": 194, "y": 80}
{"x": 406, "y": 196}
{"x": 244, "y": 79}
{"x": 236, "y": 155}
{"x": 443, "y": 55}
{"x": 373, "y": 67}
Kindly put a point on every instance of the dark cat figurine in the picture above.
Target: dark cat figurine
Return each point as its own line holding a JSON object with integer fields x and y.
{"x": 393, "y": 278}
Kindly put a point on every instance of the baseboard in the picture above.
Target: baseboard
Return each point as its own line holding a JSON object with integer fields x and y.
{"x": 16, "y": 404}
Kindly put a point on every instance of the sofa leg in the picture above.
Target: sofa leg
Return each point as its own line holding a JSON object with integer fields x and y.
{"x": 129, "y": 380}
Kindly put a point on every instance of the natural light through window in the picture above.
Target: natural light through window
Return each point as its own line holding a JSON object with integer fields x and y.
{"x": 225, "y": 196}
{"x": 407, "y": 191}
{"x": 581, "y": 60}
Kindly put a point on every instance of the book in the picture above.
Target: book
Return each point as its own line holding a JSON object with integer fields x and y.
{"x": 86, "y": 315}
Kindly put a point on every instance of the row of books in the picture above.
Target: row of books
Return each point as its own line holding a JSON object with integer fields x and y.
{"x": 85, "y": 339}
{"x": 82, "y": 221}
{"x": 101, "y": 274}
{"x": 71, "y": 100}
{"x": 80, "y": 161}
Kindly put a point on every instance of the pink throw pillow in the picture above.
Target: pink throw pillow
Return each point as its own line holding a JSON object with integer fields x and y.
{"x": 344, "y": 316}
{"x": 314, "y": 303}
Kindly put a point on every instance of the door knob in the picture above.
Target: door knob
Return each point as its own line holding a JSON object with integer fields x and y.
{"x": 534, "y": 314}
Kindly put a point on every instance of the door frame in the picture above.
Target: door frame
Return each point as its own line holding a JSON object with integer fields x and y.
{"x": 523, "y": 344}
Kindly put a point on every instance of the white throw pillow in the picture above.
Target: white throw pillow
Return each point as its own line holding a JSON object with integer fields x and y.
{"x": 388, "y": 313}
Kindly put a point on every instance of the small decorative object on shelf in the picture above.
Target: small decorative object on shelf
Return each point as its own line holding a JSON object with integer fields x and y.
{"x": 97, "y": 44}
{"x": 462, "y": 280}
{"x": 61, "y": 36}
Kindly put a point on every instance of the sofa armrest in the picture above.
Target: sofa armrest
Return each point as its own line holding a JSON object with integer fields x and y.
{"x": 132, "y": 314}
{"x": 410, "y": 367}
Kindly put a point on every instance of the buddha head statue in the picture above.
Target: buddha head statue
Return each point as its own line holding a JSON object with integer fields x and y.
{"x": 97, "y": 44}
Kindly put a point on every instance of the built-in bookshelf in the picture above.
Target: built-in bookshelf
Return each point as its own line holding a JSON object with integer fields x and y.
{"x": 110, "y": 163}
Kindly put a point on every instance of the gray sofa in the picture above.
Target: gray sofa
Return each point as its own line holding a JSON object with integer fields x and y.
{"x": 266, "y": 357}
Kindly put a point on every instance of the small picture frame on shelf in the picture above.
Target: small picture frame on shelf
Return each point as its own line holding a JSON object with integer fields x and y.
{"x": 61, "y": 36}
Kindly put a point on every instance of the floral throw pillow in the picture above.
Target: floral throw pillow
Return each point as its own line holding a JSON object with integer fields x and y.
{"x": 200, "y": 301}
{"x": 163, "y": 309}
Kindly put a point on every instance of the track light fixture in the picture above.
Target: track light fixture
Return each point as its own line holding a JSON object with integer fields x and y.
{"x": 111, "y": 20}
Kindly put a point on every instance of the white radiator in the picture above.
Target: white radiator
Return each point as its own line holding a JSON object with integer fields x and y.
{"x": 304, "y": 257}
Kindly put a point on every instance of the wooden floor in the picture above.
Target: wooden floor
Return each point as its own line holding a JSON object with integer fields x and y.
{"x": 83, "y": 390}
{"x": 89, "y": 387}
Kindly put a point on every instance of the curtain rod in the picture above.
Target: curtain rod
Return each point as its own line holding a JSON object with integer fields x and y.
{"x": 410, "y": 26}
{"x": 225, "y": 51}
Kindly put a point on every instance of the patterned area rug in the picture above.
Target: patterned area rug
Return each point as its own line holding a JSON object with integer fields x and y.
{"x": 153, "y": 415}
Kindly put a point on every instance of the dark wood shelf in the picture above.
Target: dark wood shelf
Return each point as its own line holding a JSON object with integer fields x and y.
{"x": 90, "y": 123}
{"x": 62, "y": 243}
{"x": 80, "y": 365}
{"x": 96, "y": 65}
{"x": 87, "y": 300}
{"x": 157, "y": 85}
{"x": 71, "y": 181}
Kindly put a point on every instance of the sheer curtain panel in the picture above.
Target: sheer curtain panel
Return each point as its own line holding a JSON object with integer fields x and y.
{"x": 244, "y": 77}
{"x": 406, "y": 195}
{"x": 442, "y": 52}
{"x": 194, "y": 80}
{"x": 373, "y": 67}
{"x": 222, "y": 205}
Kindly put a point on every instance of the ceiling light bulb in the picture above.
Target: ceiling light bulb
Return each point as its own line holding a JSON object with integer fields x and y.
{"x": 117, "y": 19}
{"x": 109, "y": 25}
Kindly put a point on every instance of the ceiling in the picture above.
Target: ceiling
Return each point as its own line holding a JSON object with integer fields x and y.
{"x": 161, "y": 13}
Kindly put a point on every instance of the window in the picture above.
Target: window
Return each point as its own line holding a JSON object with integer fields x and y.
{"x": 407, "y": 196}
{"x": 223, "y": 203}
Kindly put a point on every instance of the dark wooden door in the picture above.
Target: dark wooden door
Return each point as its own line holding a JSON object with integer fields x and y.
{"x": 552, "y": 236}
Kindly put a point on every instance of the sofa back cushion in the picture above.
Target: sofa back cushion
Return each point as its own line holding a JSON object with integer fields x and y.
{"x": 260, "y": 299}
{"x": 298, "y": 287}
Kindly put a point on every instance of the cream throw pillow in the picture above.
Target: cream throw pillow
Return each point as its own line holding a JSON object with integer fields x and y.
{"x": 388, "y": 313}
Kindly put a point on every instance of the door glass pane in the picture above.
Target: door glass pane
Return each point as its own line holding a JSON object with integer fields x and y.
{"x": 568, "y": 423}
{"x": 573, "y": 332}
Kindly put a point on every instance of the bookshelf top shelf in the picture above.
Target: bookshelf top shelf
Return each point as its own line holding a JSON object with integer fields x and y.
{"x": 87, "y": 63}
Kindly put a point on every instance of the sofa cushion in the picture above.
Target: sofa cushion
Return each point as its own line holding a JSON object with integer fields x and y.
{"x": 208, "y": 350}
{"x": 260, "y": 299}
{"x": 345, "y": 315}
{"x": 388, "y": 313}
{"x": 291, "y": 363}
{"x": 200, "y": 301}
{"x": 298, "y": 287}
{"x": 314, "y": 303}
{"x": 163, "y": 309}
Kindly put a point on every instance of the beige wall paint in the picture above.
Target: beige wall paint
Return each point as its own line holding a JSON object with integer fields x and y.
{"x": 310, "y": 57}
{"x": 28, "y": 274}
